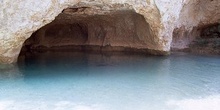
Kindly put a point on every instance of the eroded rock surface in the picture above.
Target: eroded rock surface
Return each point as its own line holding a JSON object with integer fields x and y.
{"x": 208, "y": 42}
{"x": 22, "y": 18}
{"x": 115, "y": 30}
{"x": 194, "y": 16}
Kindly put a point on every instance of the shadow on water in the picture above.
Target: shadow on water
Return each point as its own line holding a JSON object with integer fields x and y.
{"x": 110, "y": 81}
{"x": 78, "y": 61}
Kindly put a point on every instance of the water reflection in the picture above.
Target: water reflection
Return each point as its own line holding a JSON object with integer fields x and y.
{"x": 9, "y": 71}
{"x": 90, "y": 81}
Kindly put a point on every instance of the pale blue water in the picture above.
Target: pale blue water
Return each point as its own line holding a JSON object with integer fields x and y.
{"x": 88, "y": 81}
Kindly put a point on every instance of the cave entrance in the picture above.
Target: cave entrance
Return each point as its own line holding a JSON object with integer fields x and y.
{"x": 87, "y": 29}
{"x": 208, "y": 41}
{"x": 202, "y": 39}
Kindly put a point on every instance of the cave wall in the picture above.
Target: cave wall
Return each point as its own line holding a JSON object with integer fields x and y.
{"x": 124, "y": 28}
{"x": 194, "y": 17}
{"x": 208, "y": 41}
{"x": 22, "y": 18}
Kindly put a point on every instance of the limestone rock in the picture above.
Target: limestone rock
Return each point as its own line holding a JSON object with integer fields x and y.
{"x": 194, "y": 15}
{"x": 123, "y": 28}
{"x": 21, "y": 18}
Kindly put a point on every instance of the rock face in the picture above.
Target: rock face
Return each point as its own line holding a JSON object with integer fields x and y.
{"x": 115, "y": 30}
{"x": 208, "y": 41}
{"x": 155, "y": 22}
{"x": 194, "y": 16}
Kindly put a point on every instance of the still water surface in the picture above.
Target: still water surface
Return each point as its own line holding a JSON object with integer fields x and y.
{"x": 88, "y": 81}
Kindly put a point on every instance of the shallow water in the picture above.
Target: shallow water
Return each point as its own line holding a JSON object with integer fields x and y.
{"x": 88, "y": 81}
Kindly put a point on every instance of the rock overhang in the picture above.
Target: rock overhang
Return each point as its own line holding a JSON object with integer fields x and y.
{"x": 20, "y": 19}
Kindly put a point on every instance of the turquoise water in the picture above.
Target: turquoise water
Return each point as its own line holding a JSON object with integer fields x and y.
{"x": 88, "y": 81}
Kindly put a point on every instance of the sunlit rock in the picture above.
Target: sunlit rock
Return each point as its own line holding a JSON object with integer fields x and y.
{"x": 22, "y": 18}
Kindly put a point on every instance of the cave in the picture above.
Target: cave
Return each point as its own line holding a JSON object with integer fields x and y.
{"x": 88, "y": 29}
{"x": 204, "y": 39}
{"x": 94, "y": 55}
{"x": 208, "y": 41}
